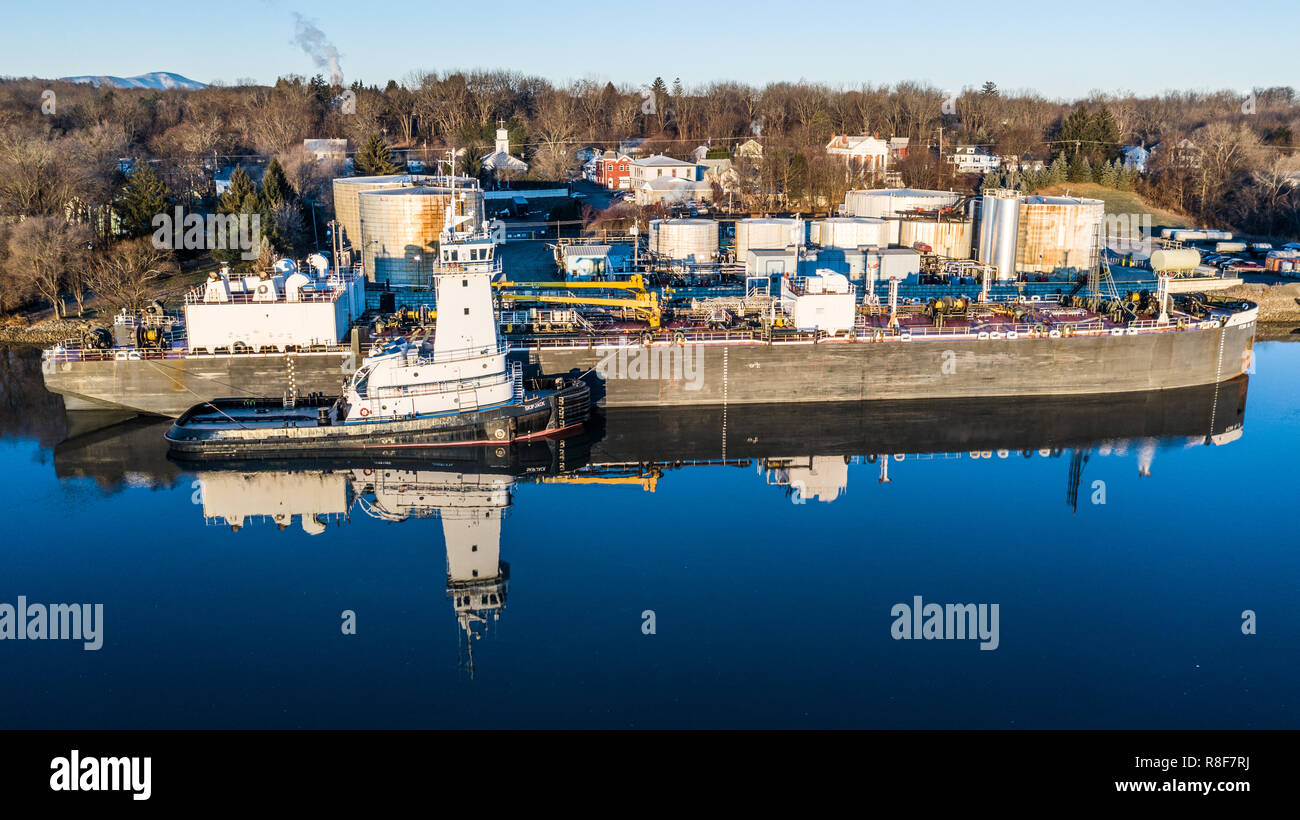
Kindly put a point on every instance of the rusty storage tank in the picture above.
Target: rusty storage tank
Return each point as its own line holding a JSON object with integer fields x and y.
{"x": 348, "y": 189}
{"x": 400, "y": 228}
{"x": 1058, "y": 234}
{"x": 685, "y": 240}
{"x": 767, "y": 234}
{"x": 850, "y": 232}
{"x": 948, "y": 237}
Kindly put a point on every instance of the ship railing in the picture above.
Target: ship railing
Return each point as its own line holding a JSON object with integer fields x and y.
{"x": 452, "y": 386}
{"x": 70, "y": 351}
{"x": 501, "y": 348}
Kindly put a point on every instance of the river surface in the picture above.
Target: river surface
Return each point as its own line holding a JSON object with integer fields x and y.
{"x": 719, "y": 568}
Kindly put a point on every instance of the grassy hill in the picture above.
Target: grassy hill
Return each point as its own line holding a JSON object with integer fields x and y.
{"x": 1121, "y": 202}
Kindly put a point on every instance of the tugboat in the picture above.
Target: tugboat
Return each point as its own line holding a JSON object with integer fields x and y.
{"x": 454, "y": 391}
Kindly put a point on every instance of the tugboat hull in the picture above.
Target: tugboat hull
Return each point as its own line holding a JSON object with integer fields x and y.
{"x": 263, "y": 428}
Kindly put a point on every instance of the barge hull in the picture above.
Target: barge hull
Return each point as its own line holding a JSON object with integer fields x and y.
{"x": 726, "y": 374}
{"x": 706, "y": 375}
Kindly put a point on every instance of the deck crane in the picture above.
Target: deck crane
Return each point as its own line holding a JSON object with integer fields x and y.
{"x": 641, "y": 302}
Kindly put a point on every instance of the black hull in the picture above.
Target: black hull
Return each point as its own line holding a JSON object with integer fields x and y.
{"x": 555, "y": 413}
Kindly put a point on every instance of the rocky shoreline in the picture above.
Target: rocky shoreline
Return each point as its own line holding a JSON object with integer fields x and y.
{"x": 45, "y": 333}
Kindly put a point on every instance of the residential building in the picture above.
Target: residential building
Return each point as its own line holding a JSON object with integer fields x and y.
{"x": 866, "y": 154}
{"x": 898, "y": 147}
{"x": 631, "y": 146}
{"x": 660, "y": 165}
{"x": 972, "y": 159}
{"x": 749, "y": 149}
{"x": 1135, "y": 158}
{"x": 327, "y": 150}
{"x": 611, "y": 170}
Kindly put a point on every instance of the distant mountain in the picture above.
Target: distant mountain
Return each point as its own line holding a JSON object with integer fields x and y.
{"x": 160, "y": 80}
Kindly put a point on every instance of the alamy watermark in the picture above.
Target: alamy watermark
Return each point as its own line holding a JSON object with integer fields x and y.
{"x": 213, "y": 232}
{"x": 1128, "y": 233}
{"x": 948, "y": 622}
{"x": 53, "y": 622}
{"x": 75, "y": 773}
{"x": 675, "y": 362}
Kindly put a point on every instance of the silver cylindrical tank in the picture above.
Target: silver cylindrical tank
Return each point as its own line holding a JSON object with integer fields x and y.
{"x": 850, "y": 232}
{"x": 767, "y": 234}
{"x": 951, "y": 238}
{"x": 999, "y": 229}
{"x": 688, "y": 240}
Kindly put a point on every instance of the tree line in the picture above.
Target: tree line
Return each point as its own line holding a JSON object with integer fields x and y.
{"x": 91, "y": 167}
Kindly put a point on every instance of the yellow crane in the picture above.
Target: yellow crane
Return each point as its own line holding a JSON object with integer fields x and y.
{"x": 643, "y": 303}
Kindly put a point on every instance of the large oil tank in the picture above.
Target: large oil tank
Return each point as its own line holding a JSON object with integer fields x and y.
{"x": 850, "y": 232}
{"x": 951, "y": 238}
{"x": 889, "y": 203}
{"x": 348, "y": 189}
{"x": 999, "y": 230}
{"x": 400, "y": 228}
{"x": 1058, "y": 234}
{"x": 1181, "y": 260}
{"x": 767, "y": 234}
{"x": 687, "y": 240}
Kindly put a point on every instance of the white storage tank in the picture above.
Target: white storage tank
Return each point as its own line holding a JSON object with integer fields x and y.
{"x": 1181, "y": 260}
{"x": 685, "y": 240}
{"x": 950, "y": 238}
{"x": 999, "y": 231}
{"x": 890, "y": 203}
{"x": 850, "y": 232}
{"x": 767, "y": 234}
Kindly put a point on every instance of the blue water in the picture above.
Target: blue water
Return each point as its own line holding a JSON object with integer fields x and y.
{"x": 767, "y": 612}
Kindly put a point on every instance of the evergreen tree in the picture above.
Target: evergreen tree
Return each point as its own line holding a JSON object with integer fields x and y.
{"x": 276, "y": 191}
{"x": 1123, "y": 177}
{"x": 1109, "y": 175}
{"x": 240, "y": 187}
{"x": 143, "y": 198}
{"x": 990, "y": 89}
{"x": 1058, "y": 171}
{"x": 374, "y": 159}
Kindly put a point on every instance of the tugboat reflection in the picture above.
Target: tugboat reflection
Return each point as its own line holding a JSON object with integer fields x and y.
{"x": 471, "y": 494}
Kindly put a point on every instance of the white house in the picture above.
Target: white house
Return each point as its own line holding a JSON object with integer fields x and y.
{"x": 1135, "y": 158}
{"x": 971, "y": 159}
{"x": 326, "y": 150}
{"x": 862, "y": 153}
{"x": 648, "y": 168}
{"x": 670, "y": 190}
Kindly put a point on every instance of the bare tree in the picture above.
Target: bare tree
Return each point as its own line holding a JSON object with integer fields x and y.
{"x": 42, "y": 252}
{"x": 126, "y": 276}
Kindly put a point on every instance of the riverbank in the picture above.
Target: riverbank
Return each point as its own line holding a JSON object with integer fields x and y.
{"x": 44, "y": 333}
{"x": 1278, "y": 303}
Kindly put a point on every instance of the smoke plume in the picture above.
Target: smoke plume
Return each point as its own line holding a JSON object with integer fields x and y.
{"x": 322, "y": 52}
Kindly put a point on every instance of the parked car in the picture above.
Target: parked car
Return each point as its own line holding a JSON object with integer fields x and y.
{"x": 1244, "y": 266}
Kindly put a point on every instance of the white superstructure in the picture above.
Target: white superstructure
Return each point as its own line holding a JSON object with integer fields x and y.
{"x": 464, "y": 369}
{"x": 280, "y": 312}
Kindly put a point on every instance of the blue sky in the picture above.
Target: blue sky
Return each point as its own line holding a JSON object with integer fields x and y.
{"x": 1112, "y": 46}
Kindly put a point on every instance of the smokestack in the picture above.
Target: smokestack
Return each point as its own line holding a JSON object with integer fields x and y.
{"x": 322, "y": 52}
